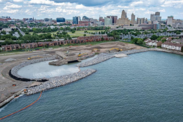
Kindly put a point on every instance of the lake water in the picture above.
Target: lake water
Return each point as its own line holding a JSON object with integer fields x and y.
{"x": 143, "y": 87}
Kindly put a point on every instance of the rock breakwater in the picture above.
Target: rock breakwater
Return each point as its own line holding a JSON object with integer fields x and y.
{"x": 100, "y": 58}
{"x": 60, "y": 81}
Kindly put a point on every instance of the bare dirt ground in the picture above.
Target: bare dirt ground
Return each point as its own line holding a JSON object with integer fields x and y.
{"x": 6, "y": 82}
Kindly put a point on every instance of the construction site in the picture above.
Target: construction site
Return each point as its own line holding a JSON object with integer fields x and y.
{"x": 10, "y": 87}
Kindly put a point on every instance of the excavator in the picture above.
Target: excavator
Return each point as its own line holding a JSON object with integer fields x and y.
{"x": 81, "y": 54}
{"x": 117, "y": 49}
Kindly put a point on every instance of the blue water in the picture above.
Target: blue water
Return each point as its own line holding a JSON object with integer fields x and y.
{"x": 143, "y": 87}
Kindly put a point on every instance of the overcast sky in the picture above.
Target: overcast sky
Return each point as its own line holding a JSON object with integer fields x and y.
{"x": 40, "y": 9}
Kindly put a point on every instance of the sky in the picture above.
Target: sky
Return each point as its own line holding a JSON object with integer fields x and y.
{"x": 41, "y": 9}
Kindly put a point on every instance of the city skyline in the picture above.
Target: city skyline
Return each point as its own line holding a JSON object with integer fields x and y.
{"x": 40, "y": 9}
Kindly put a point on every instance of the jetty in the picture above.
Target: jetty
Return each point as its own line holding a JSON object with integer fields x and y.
{"x": 100, "y": 58}
{"x": 59, "y": 81}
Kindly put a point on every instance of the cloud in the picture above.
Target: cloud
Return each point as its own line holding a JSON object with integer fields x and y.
{"x": 17, "y": 1}
{"x": 12, "y": 11}
{"x": 87, "y": 2}
{"x": 175, "y": 3}
{"x": 11, "y": 6}
{"x": 93, "y": 8}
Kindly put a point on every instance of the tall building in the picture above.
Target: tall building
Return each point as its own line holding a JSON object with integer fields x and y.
{"x": 155, "y": 17}
{"x": 170, "y": 20}
{"x": 107, "y": 21}
{"x": 75, "y": 20}
{"x": 47, "y": 19}
{"x": 114, "y": 19}
{"x": 85, "y": 18}
{"x": 140, "y": 20}
{"x": 79, "y": 18}
{"x": 101, "y": 19}
{"x": 123, "y": 20}
{"x": 132, "y": 19}
{"x": 60, "y": 20}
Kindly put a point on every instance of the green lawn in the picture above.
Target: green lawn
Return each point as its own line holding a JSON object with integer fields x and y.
{"x": 43, "y": 33}
{"x": 93, "y": 31}
{"x": 78, "y": 34}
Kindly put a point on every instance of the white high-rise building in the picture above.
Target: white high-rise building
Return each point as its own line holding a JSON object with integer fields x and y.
{"x": 107, "y": 21}
{"x": 79, "y": 18}
{"x": 170, "y": 20}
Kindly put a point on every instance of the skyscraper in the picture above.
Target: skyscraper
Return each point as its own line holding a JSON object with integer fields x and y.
{"x": 140, "y": 20}
{"x": 114, "y": 19}
{"x": 79, "y": 19}
{"x": 101, "y": 19}
{"x": 132, "y": 19}
{"x": 75, "y": 20}
{"x": 85, "y": 18}
{"x": 123, "y": 20}
{"x": 155, "y": 17}
{"x": 170, "y": 20}
{"x": 107, "y": 21}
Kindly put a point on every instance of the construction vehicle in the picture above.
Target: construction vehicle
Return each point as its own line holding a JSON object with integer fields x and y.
{"x": 82, "y": 54}
{"x": 34, "y": 57}
{"x": 117, "y": 49}
{"x": 96, "y": 50}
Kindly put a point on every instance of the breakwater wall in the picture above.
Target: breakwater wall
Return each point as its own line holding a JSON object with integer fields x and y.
{"x": 100, "y": 58}
{"x": 60, "y": 81}
{"x": 106, "y": 56}
{"x": 14, "y": 71}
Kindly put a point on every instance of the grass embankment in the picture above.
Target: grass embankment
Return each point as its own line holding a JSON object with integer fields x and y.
{"x": 48, "y": 48}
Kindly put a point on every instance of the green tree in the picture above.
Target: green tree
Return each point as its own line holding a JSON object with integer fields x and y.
{"x": 154, "y": 37}
{"x": 8, "y": 41}
{"x": 84, "y": 35}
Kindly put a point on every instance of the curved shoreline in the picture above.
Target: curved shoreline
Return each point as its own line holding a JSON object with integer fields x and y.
{"x": 14, "y": 71}
{"x": 103, "y": 57}
{"x": 106, "y": 57}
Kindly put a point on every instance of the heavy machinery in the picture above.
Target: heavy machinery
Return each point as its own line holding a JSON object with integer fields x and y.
{"x": 115, "y": 49}
{"x": 82, "y": 54}
{"x": 96, "y": 50}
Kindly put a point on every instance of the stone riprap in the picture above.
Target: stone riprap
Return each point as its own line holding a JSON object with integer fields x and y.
{"x": 105, "y": 56}
{"x": 60, "y": 81}
{"x": 14, "y": 70}
{"x": 100, "y": 58}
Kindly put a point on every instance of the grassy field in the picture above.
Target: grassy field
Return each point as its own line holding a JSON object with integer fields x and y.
{"x": 43, "y": 33}
{"x": 77, "y": 34}
{"x": 93, "y": 31}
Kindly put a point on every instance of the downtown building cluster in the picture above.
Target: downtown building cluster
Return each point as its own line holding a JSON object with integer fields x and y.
{"x": 113, "y": 21}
